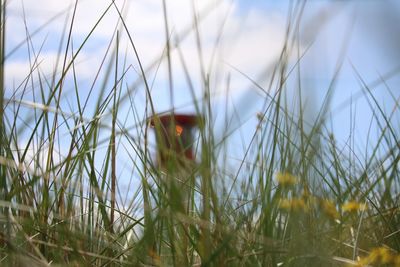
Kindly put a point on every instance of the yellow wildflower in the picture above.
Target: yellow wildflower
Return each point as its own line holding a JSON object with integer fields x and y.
{"x": 362, "y": 262}
{"x": 379, "y": 256}
{"x": 329, "y": 208}
{"x": 396, "y": 261}
{"x": 353, "y": 206}
{"x": 386, "y": 256}
{"x": 293, "y": 204}
{"x": 374, "y": 255}
{"x": 286, "y": 179}
{"x": 285, "y": 204}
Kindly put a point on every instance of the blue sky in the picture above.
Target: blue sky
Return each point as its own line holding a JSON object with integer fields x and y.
{"x": 252, "y": 39}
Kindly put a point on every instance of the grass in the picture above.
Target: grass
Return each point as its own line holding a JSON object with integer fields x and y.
{"x": 296, "y": 198}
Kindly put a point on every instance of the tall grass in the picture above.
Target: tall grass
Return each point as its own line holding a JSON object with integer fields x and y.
{"x": 296, "y": 198}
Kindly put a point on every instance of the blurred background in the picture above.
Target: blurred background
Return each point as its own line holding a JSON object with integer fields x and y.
{"x": 339, "y": 56}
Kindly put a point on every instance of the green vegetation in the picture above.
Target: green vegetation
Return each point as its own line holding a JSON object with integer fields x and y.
{"x": 296, "y": 198}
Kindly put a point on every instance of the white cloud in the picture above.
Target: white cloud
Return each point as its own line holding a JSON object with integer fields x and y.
{"x": 248, "y": 44}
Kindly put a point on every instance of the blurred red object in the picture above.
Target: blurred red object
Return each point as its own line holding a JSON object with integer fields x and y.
{"x": 174, "y": 136}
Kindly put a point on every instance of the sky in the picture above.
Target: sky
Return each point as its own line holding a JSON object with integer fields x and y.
{"x": 240, "y": 40}
{"x": 249, "y": 36}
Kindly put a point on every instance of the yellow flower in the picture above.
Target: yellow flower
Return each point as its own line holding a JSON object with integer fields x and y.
{"x": 362, "y": 262}
{"x": 353, "y": 206}
{"x": 329, "y": 208}
{"x": 396, "y": 261}
{"x": 286, "y": 179}
{"x": 285, "y": 204}
{"x": 380, "y": 255}
{"x": 293, "y": 204}
{"x": 385, "y": 254}
{"x": 374, "y": 255}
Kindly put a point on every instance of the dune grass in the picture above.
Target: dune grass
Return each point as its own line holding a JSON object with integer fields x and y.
{"x": 296, "y": 198}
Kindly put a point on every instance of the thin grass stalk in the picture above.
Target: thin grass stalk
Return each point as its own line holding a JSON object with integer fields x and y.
{"x": 168, "y": 51}
{"x": 3, "y": 5}
{"x": 112, "y": 143}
